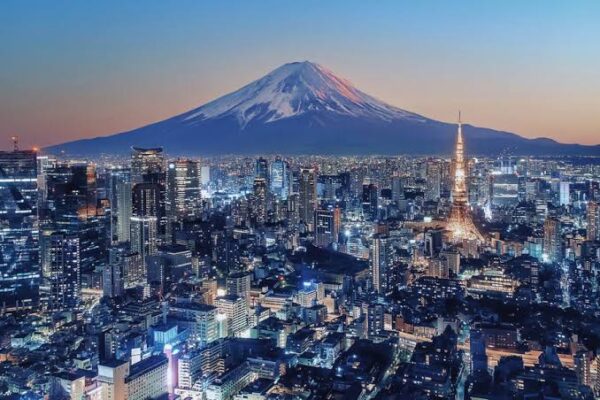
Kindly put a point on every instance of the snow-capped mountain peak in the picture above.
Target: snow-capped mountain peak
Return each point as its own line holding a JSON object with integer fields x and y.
{"x": 295, "y": 89}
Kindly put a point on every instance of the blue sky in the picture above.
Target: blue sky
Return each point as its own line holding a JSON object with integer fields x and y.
{"x": 77, "y": 69}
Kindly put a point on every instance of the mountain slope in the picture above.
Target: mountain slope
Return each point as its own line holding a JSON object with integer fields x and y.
{"x": 303, "y": 107}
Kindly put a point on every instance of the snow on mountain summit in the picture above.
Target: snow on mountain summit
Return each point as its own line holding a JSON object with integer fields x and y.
{"x": 294, "y": 89}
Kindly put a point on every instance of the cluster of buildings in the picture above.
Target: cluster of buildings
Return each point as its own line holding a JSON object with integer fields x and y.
{"x": 305, "y": 277}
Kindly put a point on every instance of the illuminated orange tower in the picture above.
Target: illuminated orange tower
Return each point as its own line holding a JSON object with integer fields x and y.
{"x": 460, "y": 223}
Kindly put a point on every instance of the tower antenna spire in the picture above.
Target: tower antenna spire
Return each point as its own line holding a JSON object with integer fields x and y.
{"x": 15, "y": 141}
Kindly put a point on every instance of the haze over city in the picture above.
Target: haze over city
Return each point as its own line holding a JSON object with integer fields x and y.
{"x": 77, "y": 70}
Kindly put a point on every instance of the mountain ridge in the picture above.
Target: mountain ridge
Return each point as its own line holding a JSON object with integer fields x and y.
{"x": 304, "y": 108}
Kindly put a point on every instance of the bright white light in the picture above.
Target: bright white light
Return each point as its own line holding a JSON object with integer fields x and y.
{"x": 221, "y": 292}
{"x": 221, "y": 317}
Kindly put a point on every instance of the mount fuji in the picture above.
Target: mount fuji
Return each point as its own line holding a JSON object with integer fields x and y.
{"x": 304, "y": 108}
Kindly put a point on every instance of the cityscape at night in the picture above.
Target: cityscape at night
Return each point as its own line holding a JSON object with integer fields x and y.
{"x": 294, "y": 236}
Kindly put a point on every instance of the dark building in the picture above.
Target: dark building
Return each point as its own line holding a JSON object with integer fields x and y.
{"x": 327, "y": 226}
{"x": 370, "y": 197}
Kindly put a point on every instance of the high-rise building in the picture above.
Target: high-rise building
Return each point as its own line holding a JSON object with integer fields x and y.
{"x": 564, "y": 193}
{"x": 375, "y": 319}
{"x": 128, "y": 264}
{"x": 201, "y": 319}
{"x": 397, "y": 188}
{"x": 593, "y": 220}
{"x": 120, "y": 204}
{"x": 433, "y": 181}
{"x": 450, "y": 259}
{"x": 552, "y": 240}
{"x": 61, "y": 270}
{"x": 148, "y": 179}
{"x": 327, "y": 226}
{"x": 583, "y": 367}
{"x": 19, "y": 236}
{"x": 144, "y": 236}
{"x": 145, "y": 219}
{"x": 505, "y": 190}
{"x": 146, "y": 164}
{"x": 183, "y": 190}
{"x": 72, "y": 206}
{"x": 381, "y": 257}
{"x": 146, "y": 200}
{"x": 370, "y": 200}
{"x": 192, "y": 365}
{"x": 238, "y": 284}
{"x": 205, "y": 175}
{"x": 460, "y": 223}
{"x": 235, "y": 309}
{"x": 259, "y": 201}
{"x": 279, "y": 179}
{"x": 262, "y": 169}
{"x": 307, "y": 196}
{"x": 113, "y": 283}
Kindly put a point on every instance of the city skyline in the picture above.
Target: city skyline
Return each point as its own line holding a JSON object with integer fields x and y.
{"x": 333, "y": 200}
{"x": 75, "y": 71}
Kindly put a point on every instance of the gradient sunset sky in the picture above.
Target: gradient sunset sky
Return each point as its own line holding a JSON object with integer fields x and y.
{"x": 74, "y": 69}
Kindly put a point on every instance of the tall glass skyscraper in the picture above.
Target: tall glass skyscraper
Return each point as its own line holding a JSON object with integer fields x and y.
{"x": 19, "y": 229}
{"x": 279, "y": 179}
{"x": 119, "y": 192}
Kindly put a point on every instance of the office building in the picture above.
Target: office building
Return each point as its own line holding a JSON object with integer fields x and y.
{"x": 327, "y": 226}
{"x": 552, "y": 240}
{"x": 120, "y": 204}
{"x": 183, "y": 190}
{"x": 61, "y": 270}
{"x": 279, "y": 178}
{"x": 381, "y": 259}
{"x": 235, "y": 309}
{"x": 19, "y": 238}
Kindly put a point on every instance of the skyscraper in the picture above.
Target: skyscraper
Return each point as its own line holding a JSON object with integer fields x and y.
{"x": 148, "y": 169}
{"x": 370, "y": 197}
{"x": 144, "y": 236}
{"x": 278, "y": 180}
{"x": 381, "y": 261}
{"x": 183, "y": 190}
{"x": 593, "y": 220}
{"x": 61, "y": 270}
{"x": 259, "y": 201}
{"x": 307, "y": 196}
{"x": 460, "y": 223}
{"x": 19, "y": 236}
{"x": 327, "y": 226}
{"x": 552, "y": 240}
{"x": 433, "y": 181}
{"x": 119, "y": 188}
{"x": 564, "y": 193}
{"x": 145, "y": 163}
{"x": 72, "y": 207}
{"x": 262, "y": 169}
{"x": 113, "y": 283}
{"x": 397, "y": 188}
